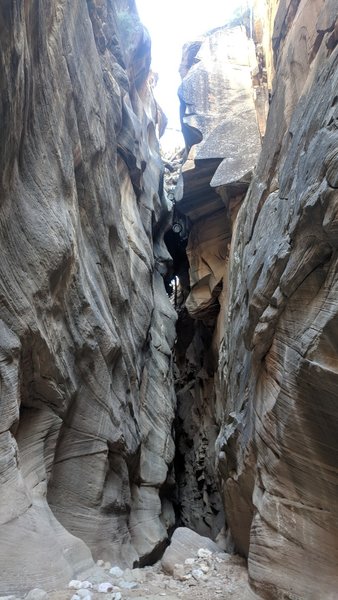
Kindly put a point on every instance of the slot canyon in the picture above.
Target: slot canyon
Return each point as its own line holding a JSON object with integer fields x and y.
{"x": 168, "y": 320}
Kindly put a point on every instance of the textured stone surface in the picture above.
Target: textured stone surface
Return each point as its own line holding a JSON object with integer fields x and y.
{"x": 185, "y": 543}
{"x": 87, "y": 401}
{"x": 278, "y": 444}
{"x": 275, "y": 296}
{"x": 199, "y": 502}
{"x": 217, "y": 110}
{"x": 217, "y": 104}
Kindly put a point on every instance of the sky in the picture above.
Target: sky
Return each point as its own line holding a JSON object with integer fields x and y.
{"x": 171, "y": 24}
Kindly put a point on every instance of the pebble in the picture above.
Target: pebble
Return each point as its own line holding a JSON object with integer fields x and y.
{"x": 100, "y": 563}
{"x": 75, "y": 597}
{"x": 116, "y": 571}
{"x": 104, "y": 587}
{"x": 197, "y": 574}
{"x": 117, "y": 596}
{"x": 204, "y": 553}
{"x": 204, "y": 567}
{"x": 76, "y": 584}
{"x": 86, "y": 585}
{"x": 189, "y": 561}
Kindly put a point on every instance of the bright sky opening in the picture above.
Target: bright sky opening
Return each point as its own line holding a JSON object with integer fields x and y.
{"x": 171, "y": 25}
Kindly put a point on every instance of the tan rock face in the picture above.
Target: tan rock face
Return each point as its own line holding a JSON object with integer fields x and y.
{"x": 218, "y": 110}
{"x": 278, "y": 361}
{"x": 87, "y": 400}
{"x": 275, "y": 292}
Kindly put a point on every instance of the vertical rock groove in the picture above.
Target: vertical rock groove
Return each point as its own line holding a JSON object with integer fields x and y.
{"x": 87, "y": 402}
{"x": 262, "y": 269}
{"x": 168, "y": 328}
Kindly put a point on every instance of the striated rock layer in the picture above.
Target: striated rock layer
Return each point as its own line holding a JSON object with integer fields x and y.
{"x": 87, "y": 400}
{"x": 270, "y": 302}
{"x": 278, "y": 360}
{"x": 217, "y": 110}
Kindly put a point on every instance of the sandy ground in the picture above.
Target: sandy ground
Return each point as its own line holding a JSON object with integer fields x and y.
{"x": 225, "y": 578}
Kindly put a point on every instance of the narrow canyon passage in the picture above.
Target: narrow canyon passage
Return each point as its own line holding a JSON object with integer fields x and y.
{"x": 168, "y": 319}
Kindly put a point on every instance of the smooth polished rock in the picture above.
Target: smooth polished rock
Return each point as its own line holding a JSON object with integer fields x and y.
{"x": 86, "y": 327}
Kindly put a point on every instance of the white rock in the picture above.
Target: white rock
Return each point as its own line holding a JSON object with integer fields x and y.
{"x": 204, "y": 567}
{"x": 75, "y": 597}
{"x": 100, "y": 563}
{"x": 197, "y": 574}
{"x": 75, "y": 584}
{"x": 36, "y": 594}
{"x": 189, "y": 561}
{"x": 116, "y": 571}
{"x": 118, "y": 596}
{"x": 104, "y": 587}
{"x": 204, "y": 553}
{"x": 86, "y": 585}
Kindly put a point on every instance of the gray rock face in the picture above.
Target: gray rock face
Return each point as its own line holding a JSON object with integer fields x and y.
{"x": 218, "y": 109}
{"x": 278, "y": 363}
{"x": 87, "y": 401}
{"x": 271, "y": 299}
{"x": 185, "y": 544}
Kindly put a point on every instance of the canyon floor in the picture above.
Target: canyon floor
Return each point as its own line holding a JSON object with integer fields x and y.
{"x": 225, "y": 578}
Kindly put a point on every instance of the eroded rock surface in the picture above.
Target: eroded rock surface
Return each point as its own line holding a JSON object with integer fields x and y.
{"x": 263, "y": 279}
{"x": 218, "y": 111}
{"x": 278, "y": 367}
{"x": 87, "y": 400}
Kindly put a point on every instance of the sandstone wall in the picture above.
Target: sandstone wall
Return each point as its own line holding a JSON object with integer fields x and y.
{"x": 87, "y": 400}
{"x": 278, "y": 359}
{"x": 217, "y": 110}
{"x": 263, "y": 282}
